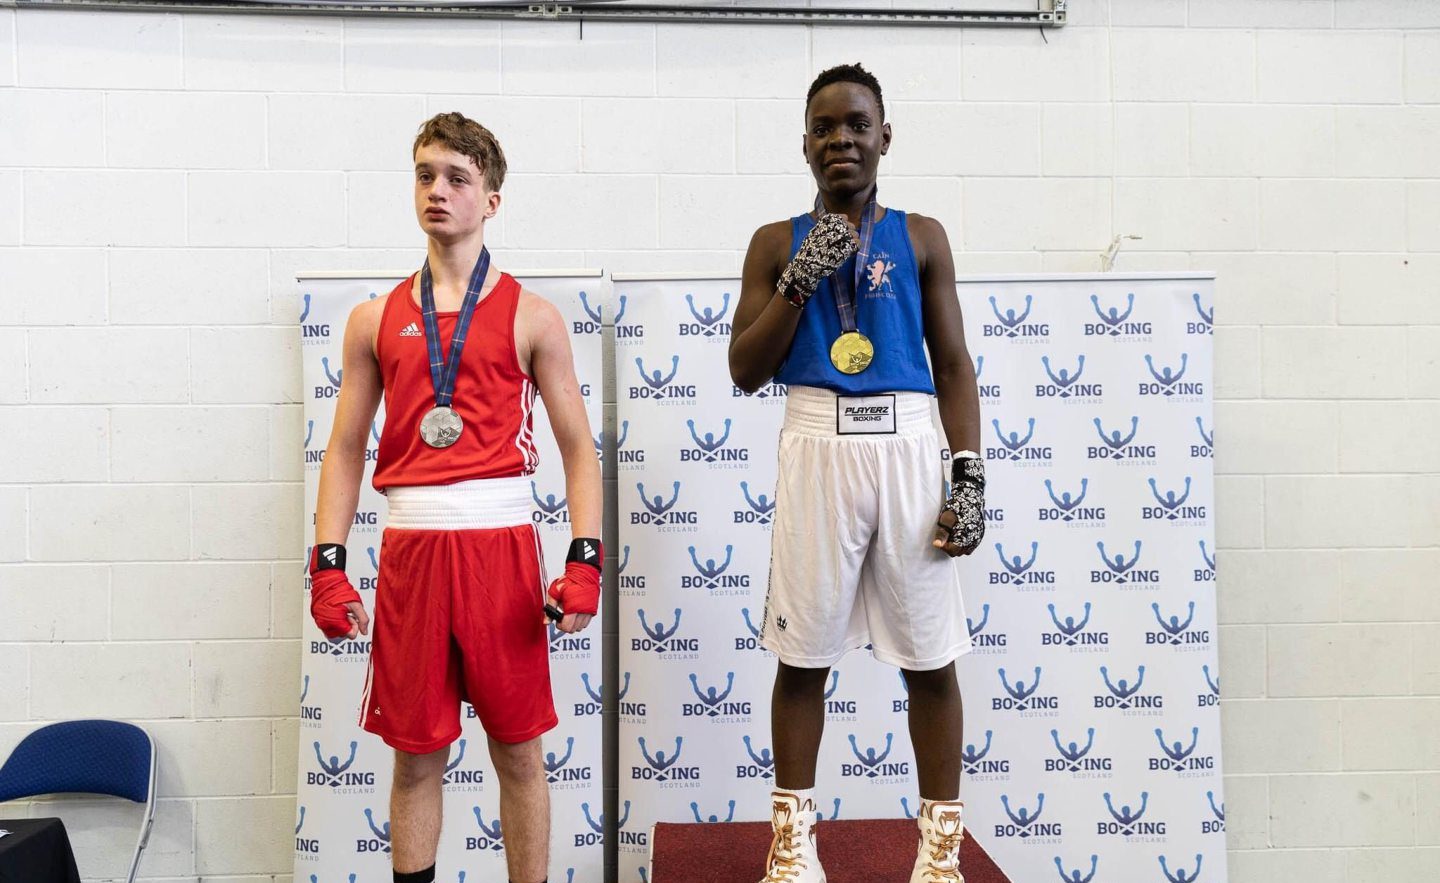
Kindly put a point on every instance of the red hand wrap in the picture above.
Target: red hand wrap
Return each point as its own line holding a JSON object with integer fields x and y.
{"x": 578, "y": 591}
{"x": 330, "y": 590}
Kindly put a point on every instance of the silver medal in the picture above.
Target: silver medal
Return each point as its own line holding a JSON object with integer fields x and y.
{"x": 441, "y": 427}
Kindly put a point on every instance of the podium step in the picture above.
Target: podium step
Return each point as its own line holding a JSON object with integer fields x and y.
{"x": 854, "y": 851}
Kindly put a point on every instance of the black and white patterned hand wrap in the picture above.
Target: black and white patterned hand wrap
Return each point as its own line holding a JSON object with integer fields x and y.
{"x": 828, "y": 244}
{"x": 967, "y": 501}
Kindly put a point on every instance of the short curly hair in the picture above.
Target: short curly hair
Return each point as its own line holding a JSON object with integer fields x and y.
{"x": 463, "y": 135}
{"x": 846, "y": 73}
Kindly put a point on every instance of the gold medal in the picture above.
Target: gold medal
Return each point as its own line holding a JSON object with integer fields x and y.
{"x": 851, "y": 352}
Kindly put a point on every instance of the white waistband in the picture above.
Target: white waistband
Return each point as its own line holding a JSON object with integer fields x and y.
{"x": 481, "y": 504}
{"x": 811, "y": 410}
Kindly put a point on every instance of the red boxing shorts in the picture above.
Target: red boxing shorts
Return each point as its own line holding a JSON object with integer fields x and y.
{"x": 459, "y": 616}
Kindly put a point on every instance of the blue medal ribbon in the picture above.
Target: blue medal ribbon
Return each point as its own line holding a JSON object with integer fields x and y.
{"x": 845, "y": 289}
{"x": 443, "y": 371}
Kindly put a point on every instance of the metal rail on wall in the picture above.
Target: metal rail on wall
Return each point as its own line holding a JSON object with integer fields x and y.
{"x": 1046, "y": 13}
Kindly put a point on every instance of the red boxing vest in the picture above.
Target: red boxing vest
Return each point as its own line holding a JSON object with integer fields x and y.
{"x": 494, "y": 398}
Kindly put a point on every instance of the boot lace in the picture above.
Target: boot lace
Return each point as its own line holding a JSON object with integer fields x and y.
{"x": 944, "y": 852}
{"x": 782, "y": 865}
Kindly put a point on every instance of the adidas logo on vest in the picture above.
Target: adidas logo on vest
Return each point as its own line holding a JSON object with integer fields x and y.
{"x": 411, "y": 330}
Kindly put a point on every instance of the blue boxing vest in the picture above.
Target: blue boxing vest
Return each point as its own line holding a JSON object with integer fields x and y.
{"x": 887, "y": 311}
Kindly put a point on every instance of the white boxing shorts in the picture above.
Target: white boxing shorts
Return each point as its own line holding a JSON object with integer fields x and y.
{"x": 859, "y": 488}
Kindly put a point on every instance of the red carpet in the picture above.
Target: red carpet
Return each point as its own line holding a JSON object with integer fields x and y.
{"x": 859, "y": 851}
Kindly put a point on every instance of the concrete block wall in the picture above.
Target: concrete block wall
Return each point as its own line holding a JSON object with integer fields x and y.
{"x": 163, "y": 176}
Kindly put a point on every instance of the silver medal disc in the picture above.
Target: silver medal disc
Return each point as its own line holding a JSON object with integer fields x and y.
{"x": 441, "y": 427}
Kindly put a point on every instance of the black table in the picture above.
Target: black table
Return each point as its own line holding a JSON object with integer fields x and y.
{"x": 36, "y": 851}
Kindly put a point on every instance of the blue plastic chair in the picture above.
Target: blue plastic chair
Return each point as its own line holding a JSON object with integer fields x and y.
{"x": 86, "y": 757}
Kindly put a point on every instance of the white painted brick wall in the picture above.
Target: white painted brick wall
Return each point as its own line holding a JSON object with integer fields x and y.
{"x": 163, "y": 177}
{"x": 12, "y": 207}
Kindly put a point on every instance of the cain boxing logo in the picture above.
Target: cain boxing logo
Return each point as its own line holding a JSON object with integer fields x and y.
{"x": 1211, "y": 696}
{"x": 1175, "y": 632}
{"x": 632, "y": 582}
{"x": 839, "y": 709}
{"x": 1074, "y": 635}
{"x": 331, "y": 388}
{"x": 595, "y": 704}
{"x": 1021, "y": 572}
{"x": 1176, "y": 757}
{"x": 982, "y": 638}
{"x": 592, "y": 323}
{"x": 1171, "y": 506}
{"x": 979, "y": 766}
{"x": 1025, "y": 701}
{"x": 759, "y": 510}
{"x": 1078, "y": 761}
{"x": 1205, "y": 323}
{"x": 596, "y": 824}
{"x": 491, "y": 837}
{"x": 549, "y": 510}
{"x": 1169, "y": 381}
{"x": 567, "y": 646}
{"x": 1074, "y": 876}
{"x": 379, "y": 839}
{"x": 666, "y": 643}
{"x": 712, "y": 451}
{"x": 627, "y": 456}
{"x": 716, "y": 704}
{"x": 626, "y": 333}
{"x": 873, "y": 765}
{"x": 761, "y": 765}
{"x": 989, "y": 390}
{"x": 708, "y": 323}
{"x": 1069, "y": 507}
{"x": 558, "y": 772}
{"x": 310, "y": 715}
{"x": 712, "y": 576}
{"x": 312, "y": 333}
{"x": 630, "y": 710}
{"x": 1217, "y": 824}
{"x": 1124, "y": 695}
{"x": 1130, "y": 823}
{"x": 1182, "y": 875}
{"x": 1125, "y": 573}
{"x": 1014, "y": 326}
{"x": 665, "y": 771}
{"x": 662, "y": 388}
{"x": 666, "y": 516}
{"x": 628, "y": 839}
{"x": 877, "y": 277}
{"x": 712, "y": 818}
{"x": 750, "y": 638}
{"x": 1065, "y": 384}
{"x": 1018, "y": 450}
{"x": 341, "y": 777}
{"x": 1205, "y": 450}
{"x": 1119, "y": 447}
{"x": 1025, "y": 824}
{"x": 1207, "y": 573}
{"x": 307, "y": 848}
{"x": 1115, "y": 324}
{"x": 459, "y": 778}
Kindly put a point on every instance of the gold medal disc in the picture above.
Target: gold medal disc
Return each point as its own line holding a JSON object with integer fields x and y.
{"x": 851, "y": 352}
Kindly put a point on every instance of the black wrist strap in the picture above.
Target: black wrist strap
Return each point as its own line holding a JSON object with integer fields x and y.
{"x": 328, "y": 556}
{"x": 584, "y": 550}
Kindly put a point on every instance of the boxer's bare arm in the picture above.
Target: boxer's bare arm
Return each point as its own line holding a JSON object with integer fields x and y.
{"x": 764, "y": 324}
{"x": 360, "y": 389}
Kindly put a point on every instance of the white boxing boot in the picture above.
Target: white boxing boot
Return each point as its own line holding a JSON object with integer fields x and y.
{"x": 941, "y": 831}
{"x": 792, "y": 857}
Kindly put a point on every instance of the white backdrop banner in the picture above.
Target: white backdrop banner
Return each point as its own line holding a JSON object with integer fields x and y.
{"x": 342, "y": 830}
{"x": 1092, "y": 733}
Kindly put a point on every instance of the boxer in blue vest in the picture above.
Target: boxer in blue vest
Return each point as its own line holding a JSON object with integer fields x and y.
{"x": 841, "y": 304}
